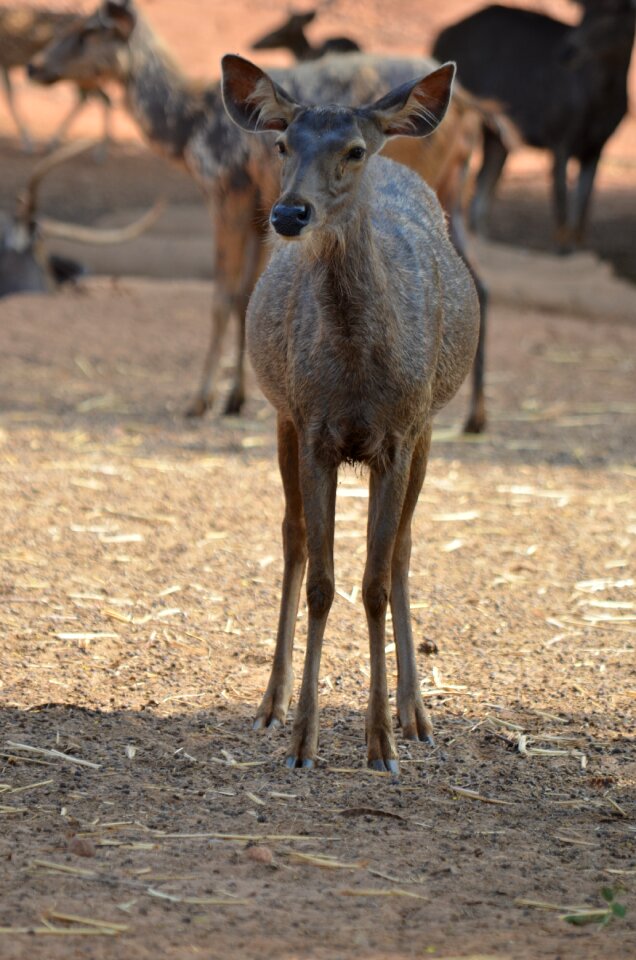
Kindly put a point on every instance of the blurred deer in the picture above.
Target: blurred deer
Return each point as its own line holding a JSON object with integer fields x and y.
{"x": 291, "y": 36}
{"x": 23, "y": 32}
{"x": 359, "y": 332}
{"x": 25, "y": 266}
{"x": 564, "y": 87}
{"x": 236, "y": 172}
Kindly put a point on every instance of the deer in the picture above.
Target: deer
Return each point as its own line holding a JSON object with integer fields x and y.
{"x": 188, "y": 124}
{"x": 363, "y": 325}
{"x": 24, "y": 31}
{"x": 564, "y": 87}
{"x": 25, "y": 266}
{"x": 291, "y": 36}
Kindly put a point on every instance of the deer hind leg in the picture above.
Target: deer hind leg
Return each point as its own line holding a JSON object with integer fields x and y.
{"x": 237, "y": 260}
{"x": 387, "y": 495}
{"x": 584, "y": 188}
{"x": 25, "y": 136}
{"x": 412, "y": 716}
{"x": 476, "y": 420}
{"x": 273, "y": 708}
{"x": 318, "y": 485}
{"x": 563, "y": 236}
{"x": 495, "y": 155}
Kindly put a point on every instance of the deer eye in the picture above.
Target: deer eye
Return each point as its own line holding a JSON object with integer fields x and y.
{"x": 356, "y": 153}
{"x": 280, "y": 146}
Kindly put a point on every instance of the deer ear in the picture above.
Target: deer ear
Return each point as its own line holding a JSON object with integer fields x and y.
{"x": 252, "y": 99}
{"x": 121, "y": 15}
{"x": 415, "y": 108}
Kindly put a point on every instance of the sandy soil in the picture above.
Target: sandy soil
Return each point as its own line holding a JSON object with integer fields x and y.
{"x": 138, "y": 600}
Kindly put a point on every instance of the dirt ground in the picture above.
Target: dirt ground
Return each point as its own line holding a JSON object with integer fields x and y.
{"x": 140, "y": 566}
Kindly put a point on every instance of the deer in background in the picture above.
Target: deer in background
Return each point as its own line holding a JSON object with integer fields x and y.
{"x": 25, "y": 266}
{"x": 236, "y": 173}
{"x": 363, "y": 325}
{"x": 564, "y": 87}
{"x": 291, "y": 36}
{"x": 24, "y": 31}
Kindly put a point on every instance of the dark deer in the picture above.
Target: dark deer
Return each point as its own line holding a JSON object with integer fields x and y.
{"x": 236, "y": 172}
{"x": 25, "y": 266}
{"x": 24, "y": 31}
{"x": 564, "y": 87}
{"x": 364, "y": 324}
{"x": 291, "y": 36}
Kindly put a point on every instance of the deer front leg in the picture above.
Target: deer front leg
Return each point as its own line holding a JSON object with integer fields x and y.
{"x": 318, "y": 484}
{"x": 204, "y": 397}
{"x": 387, "y": 492}
{"x": 413, "y": 718}
{"x": 273, "y": 709}
{"x": 25, "y": 136}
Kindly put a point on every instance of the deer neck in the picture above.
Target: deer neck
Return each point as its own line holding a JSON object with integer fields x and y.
{"x": 159, "y": 95}
{"x": 350, "y": 274}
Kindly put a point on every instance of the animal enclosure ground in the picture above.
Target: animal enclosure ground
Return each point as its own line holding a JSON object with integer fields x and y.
{"x": 140, "y": 571}
{"x": 140, "y": 565}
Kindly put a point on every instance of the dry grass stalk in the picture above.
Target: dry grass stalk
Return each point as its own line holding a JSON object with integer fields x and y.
{"x": 57, "y": 754}
{"x": 324, "y": 861}
{"x": 198, "y": 901}
{"x": 60, "y": 931}
{"x": 544, "y": 905}
{"x": 31, "y": 786}
{"x": 377, "y": 892}
{"x": 86, "y": 922}
{"x": 62, "y": 868}
{"x": 473, "y": 795}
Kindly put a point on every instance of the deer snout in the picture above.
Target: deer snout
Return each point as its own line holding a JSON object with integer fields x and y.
{"x": 288, "y": 219}
{"x": 36, "y": 71}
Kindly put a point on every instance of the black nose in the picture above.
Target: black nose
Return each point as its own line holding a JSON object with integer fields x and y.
{"x": 31, "y": 70}
{"x": 289, "y": 219}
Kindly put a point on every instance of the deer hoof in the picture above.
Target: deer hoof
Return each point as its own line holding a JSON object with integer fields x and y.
{"x": 295, "y": 762}
{"x": 199, "y": 407}
{"x": 234, "y": 403}
{"x": 476, "y": 423}
{"x": 385, "y": 766}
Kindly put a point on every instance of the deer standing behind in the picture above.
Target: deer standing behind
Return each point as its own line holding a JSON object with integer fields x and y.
{"x": 24, "y": 31}
{"x": 564, "y": 87}
{"x": 237, "y": 175}
{"x": 363, "y": 325}
{"x": 291, "y": 36}
{"x": 25, "y": 265}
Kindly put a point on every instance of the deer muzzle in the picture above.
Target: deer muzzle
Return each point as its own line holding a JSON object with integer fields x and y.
{"x": 289, "y": 219}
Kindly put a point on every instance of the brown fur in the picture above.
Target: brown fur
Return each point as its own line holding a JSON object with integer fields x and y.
{"x": 363, "y": 325}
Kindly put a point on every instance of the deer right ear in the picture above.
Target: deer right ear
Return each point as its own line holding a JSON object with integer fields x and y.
{"x": 252, "y": 99}
{"x": 121, "y": 16}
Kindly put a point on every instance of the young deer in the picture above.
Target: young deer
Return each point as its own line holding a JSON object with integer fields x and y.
{"x": 363, "y": 325}
{"x": 23, "y": 32}
{"x": 237, "y": 175}
{"x": 291, "y": 36}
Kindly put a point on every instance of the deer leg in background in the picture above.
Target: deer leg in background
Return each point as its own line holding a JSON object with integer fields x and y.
{"x": 234, "y": 233}
{"x": 25, "y": 136}
{"x": 583, "y": 196}
{"x": 221, "y": 310}
{"x": 387, "y": 494}
{"x": 476, "y": 420}
{"x": 494, "y": 159}
{"x": 69, "y": 120}
{"x": 562, "y": 237}
{"x": 318, "y": 485}
{"x": 411, "y": 713}
{"x": 273, "y": 708}
{"x": 255, "y": 256}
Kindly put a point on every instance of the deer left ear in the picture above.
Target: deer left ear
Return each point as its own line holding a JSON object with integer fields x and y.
{"x": 416, "y": 108}
{"x": 252, "y": 99}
